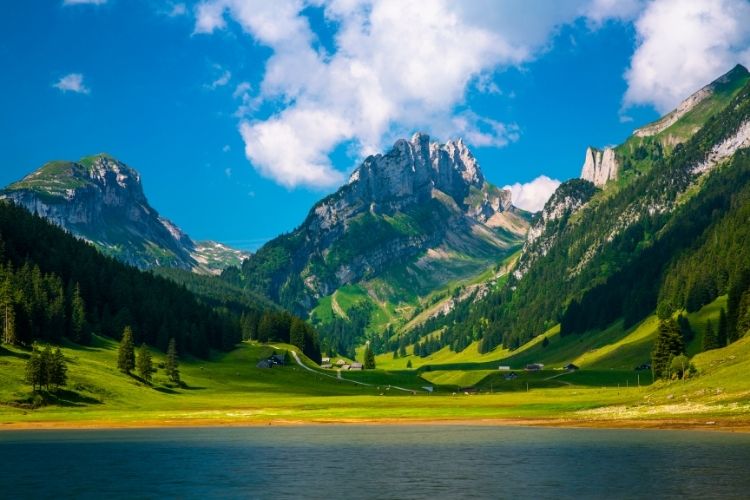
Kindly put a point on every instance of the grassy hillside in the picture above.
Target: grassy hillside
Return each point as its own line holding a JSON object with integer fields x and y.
{"x": 229, "y": 388}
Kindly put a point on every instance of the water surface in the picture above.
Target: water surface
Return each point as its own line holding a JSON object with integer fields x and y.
{"x": 374, "y": 462}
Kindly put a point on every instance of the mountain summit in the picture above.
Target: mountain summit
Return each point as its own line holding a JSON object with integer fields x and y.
{"x": 407, "y": 222}
{"x": 101, "y": 199}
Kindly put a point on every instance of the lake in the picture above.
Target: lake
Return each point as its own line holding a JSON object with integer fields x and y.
{"x": 361, "y": 461}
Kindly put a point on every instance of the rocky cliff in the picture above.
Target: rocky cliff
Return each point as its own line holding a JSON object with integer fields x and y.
{"x": 423, "y": 207}
{"x": 101, "y": 200}
{"x": 600, "y": 166}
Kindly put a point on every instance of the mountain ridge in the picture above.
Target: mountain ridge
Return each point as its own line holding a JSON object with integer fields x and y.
{"x": 101, "y": 200}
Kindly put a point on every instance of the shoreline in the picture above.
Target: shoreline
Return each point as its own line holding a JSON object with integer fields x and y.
{"x": 695, "y": 424}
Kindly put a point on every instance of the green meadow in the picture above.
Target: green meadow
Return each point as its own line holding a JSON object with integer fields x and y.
{"x": 230, "y": 389}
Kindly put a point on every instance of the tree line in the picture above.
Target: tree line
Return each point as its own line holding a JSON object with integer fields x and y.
{"x": 53, "y": 285}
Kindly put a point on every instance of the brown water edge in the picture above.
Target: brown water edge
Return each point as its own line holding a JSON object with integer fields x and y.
{"x": 696, "y": 424}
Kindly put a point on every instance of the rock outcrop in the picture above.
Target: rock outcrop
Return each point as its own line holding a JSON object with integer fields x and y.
{"x": 413, "y": 206}
{"x": 101, "y": 200}
{"x": 567, "y": 199}
{"x": 600, "y": 166}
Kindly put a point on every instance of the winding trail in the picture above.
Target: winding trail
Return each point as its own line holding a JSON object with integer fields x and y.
{"x": 339, "y": 377}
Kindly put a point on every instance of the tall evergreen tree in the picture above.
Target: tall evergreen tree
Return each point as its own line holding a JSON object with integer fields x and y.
{"x": 710, "y": 338}
{"x": 143, "y": 363}
{"x": 369, "y": 363}
{"x": 58, "y": 369}
{"x": 297, "y": 333}
{"x": 7, "y": 309}
{"x": 78, "y": 324}
{"x": 668, "y": 344}
{"x": 35, "y": 370}
{"x": 126, "y": 352}
{"x": 172, "y": 364}
{"x": 721, "y": 332}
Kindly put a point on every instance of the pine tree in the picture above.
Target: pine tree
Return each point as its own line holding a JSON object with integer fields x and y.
{"x": 172, "y": 365}
{"x": 34, "y": 370}
{"x": 297, "y": 333}
{"x": 265, "y": 328}
{"x": 721, "y": 333}
{"x": 78, "y": 325}
{"x": 143, "y": 363}
{"x": 408, "y": 364}
{"x": 126, "y": 352}
{"x": 369, "y": 363}
{"x": 46, "y": 367}
{"x": 710, "y": 339}
{"x": 58, "y": 369}
{"x": 7, "y": 309}
{"x": 668, "y": 344}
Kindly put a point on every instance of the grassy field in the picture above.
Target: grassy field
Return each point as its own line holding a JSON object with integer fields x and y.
{"x": 230, "y": 389}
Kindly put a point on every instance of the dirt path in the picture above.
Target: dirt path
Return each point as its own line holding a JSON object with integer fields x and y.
{"x": 339, "y": 377}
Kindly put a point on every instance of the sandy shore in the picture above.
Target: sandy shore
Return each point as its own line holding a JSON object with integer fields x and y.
{"x": 657, "y": 424}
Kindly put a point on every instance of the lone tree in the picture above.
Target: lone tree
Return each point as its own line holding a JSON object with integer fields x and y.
{"x": 126, "y": 353}
{"x": 668, "y": 345}
{"x": 172, "y": 365}
{"x": 143, "y": 363}
{"x": 369, "y": 358}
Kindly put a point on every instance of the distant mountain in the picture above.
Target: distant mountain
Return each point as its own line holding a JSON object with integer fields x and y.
{"x": 101, "y": 200}
{"x": 408, "y": 223}
{"x": 657, "y": 224}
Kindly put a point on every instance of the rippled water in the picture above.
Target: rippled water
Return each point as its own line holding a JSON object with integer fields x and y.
{"x": 374, "y": 462}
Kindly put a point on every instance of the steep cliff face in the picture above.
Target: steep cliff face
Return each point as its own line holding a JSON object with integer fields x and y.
{"x": 101, "y": 200}
{"x": 567, "y": 199}
{"x": 419, "y": 205}
{"x": 600, "y": 166}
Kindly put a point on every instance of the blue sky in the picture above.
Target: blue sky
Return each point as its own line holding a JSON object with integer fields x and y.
{"x": 179, "y": 90}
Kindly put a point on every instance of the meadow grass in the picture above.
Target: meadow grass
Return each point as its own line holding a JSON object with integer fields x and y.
{"x": 229, "y": 388}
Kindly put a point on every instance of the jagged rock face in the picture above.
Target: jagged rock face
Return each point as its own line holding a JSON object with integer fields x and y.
{"x": 411, "y": 173}
{"x": 725, "y": 149}
{"x": 600, "y": 166}
{"x": 412, "y": 169}
{"x": 419, "y": 201}
{"x": 568, "y": 198}
{"x": 101, "y": 200}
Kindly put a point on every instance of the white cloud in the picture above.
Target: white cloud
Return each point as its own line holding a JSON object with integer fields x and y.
{"x": 222, "y": 80}
{"x": 683, "y": 45}
{"x": 72, "y": 83}
{"x": 84, "y": 2}
{"x": 533, "y": 195}
{"x": 396, "y": 67}
{"x": 178, "y": 9}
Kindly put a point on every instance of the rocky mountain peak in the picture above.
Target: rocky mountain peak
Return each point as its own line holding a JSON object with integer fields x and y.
{"x": 412, "y": 169}
{"x": 101, "y": 200}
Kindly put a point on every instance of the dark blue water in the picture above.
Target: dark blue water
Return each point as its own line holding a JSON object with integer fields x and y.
{"x": 347, "y": 462}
